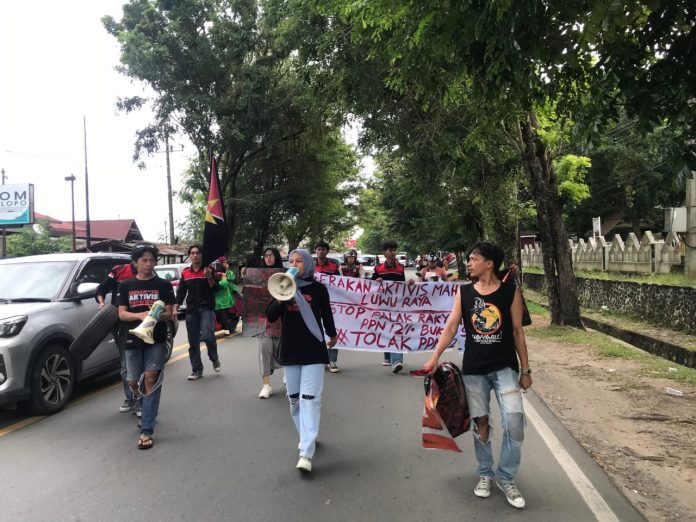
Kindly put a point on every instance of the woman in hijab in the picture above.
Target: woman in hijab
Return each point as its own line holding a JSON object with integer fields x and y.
{"x": 269, "y": 341}
{"x": 303, "y": 351}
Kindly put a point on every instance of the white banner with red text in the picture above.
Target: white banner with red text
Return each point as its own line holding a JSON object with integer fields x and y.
{"x": 390, "y": 316}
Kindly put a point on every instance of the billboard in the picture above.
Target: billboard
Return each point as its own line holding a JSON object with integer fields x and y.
{"x": 16, "y": 205}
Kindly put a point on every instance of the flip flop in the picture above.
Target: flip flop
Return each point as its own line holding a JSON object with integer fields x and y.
{"x": 145, "y": 443}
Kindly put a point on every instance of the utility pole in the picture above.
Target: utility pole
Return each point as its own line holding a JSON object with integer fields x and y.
{"x": 169, "y": 190}
{"x": 71, "y": 178}
{"x": 4, "y": 238}
{"x": 690, "y": 258}
{"x": 167, "y": 150}
{"x": 87, "y": 224}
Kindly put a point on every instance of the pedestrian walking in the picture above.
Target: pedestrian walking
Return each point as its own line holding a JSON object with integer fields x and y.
{"x": 351, "y": 267}
{"x": 495, "y": 359}
{"x": 268, "y": 343}
{"x": 116, "y": 275}
{"x": 390, "y": 270}
{"x": 303, "y": 351}
{"x": 224, "y": 299}
{"x": 232, "y": 279}
{"x": 433, "y": 271}
{"x": 145, "y": 362}
{"x": 197, "y": 287}
{"x": 324, "y": 265}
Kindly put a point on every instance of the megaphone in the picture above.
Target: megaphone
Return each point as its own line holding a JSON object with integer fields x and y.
{"x": 145, "y": 330}
{"x": 282, "y": 285}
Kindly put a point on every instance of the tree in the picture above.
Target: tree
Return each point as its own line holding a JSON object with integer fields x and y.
{"x": 216, "y": 76}
{"x": 36, "y": 240}
{"x": 511, "y": 60}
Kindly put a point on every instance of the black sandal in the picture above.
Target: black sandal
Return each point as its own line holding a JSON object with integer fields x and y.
{"x": 145, "y": 442}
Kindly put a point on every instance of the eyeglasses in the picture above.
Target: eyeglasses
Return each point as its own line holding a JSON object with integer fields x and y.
{"x": 268, "y": 255}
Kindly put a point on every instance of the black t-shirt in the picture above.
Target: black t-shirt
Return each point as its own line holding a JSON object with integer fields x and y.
{"x": 490, "y": 345}
{"x": 297, "y": 344}
{"x": 138, "y": 295}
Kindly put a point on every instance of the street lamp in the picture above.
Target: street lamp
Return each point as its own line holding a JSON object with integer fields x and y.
{"x": 71, "y": 179}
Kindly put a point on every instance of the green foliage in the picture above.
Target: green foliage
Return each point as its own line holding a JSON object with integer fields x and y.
{"x": 220, "y": 79}
{"x": 570, "y": 170}
{"x": 35, "y": 240}
{"x": 632, "y": 177}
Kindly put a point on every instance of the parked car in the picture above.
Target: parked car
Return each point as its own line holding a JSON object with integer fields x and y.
{"x": 171, "y": 273}
{"x": 367, "y": 260}
{"x": 45, "y": 304}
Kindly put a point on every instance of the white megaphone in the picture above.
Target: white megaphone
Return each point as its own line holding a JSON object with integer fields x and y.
{"x": 146, "y": 328}
{"x": 282, "y": 285}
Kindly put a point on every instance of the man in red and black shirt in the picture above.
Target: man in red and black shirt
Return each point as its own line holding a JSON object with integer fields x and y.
{"x": 325, "y": 265}
{"x": 197, "y": 286}
{"x": 390, "y": 270}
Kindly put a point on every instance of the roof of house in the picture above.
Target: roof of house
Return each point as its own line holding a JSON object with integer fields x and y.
{"x": 100, "y": 229}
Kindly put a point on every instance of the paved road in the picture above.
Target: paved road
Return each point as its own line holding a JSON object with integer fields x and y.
{"x": 223, "y": 454}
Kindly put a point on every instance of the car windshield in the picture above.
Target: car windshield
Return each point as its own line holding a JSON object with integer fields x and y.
{"x": 32, "y": 281}
{"x": 170, "y": 274}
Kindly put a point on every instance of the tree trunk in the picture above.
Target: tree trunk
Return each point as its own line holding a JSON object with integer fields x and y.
{"x": 506, "y": 230}
{"x": 558, "y": 268}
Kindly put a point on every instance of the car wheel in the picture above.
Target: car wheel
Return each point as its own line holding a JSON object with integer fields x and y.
{"x": 104, "y": 321}
{"x": 172, "y": 328}
{"x": 52, "y": 381}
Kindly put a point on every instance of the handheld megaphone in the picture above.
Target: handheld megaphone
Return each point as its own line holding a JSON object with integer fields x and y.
{"x": 146, "y": 328}
{"x": 282, "y": 285}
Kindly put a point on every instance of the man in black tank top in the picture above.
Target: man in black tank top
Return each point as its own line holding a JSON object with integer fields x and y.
{"x": 495, "y": 359}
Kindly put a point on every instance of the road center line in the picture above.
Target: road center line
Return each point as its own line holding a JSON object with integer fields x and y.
{"x": 582, "y": 483}
{"x": 31, "y": 420}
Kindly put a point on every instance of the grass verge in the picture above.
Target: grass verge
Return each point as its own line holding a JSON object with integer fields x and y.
{"x": 653, "y": 366}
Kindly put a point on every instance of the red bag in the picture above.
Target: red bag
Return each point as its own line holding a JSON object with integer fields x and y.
{"x": 445, "y": 412}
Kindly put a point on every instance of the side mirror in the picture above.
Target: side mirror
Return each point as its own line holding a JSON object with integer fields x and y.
{"x": 84, "y": 290}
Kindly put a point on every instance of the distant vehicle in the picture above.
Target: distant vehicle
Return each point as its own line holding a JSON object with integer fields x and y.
{"x": 402, "y": 257}
{"x": 172, "y": 273}
{"x": 367, "y": 260}
{"x": 46, "y": 302}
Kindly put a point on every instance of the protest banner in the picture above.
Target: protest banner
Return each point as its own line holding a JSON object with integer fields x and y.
{"x": 256, "y": 299}
{"x": 389, "y": 316}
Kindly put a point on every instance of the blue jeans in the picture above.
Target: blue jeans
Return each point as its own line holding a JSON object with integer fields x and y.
{"x": 126, "y": 387}
{"x": 150, "y": 358}
{"x": 333, "y": 354}
{"x": 200, "y": 325}
{"x": 506, "y": 385}
{"x": 394, "y": 358}
{"x": 304, "y": 385}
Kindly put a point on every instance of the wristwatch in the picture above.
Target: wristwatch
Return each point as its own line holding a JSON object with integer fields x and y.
{"x": 526, "y": 371}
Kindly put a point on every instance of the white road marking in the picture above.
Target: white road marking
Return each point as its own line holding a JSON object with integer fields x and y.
{"x": 588, "y": 492}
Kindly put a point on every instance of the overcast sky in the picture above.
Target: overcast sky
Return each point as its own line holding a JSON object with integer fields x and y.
{"x": 56, "y": 65}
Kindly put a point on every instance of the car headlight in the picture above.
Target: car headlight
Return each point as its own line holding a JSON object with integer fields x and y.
{"x": 11, "y": 326}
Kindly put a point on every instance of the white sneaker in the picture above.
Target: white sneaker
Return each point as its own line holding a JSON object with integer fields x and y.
{"x": 483, "y": 488}
{"x": 266, "y": 391}
{"x": 304, "y": 464}
{"x": 513, "y": 495}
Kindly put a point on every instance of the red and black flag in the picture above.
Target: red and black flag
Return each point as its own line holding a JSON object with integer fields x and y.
{"x": 215, "y": 238}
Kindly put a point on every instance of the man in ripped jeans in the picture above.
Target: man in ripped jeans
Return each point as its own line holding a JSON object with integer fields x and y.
{"x": 495, "y": 359}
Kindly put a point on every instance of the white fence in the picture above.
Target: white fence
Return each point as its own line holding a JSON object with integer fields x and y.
{"x": 645, "y": 256}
